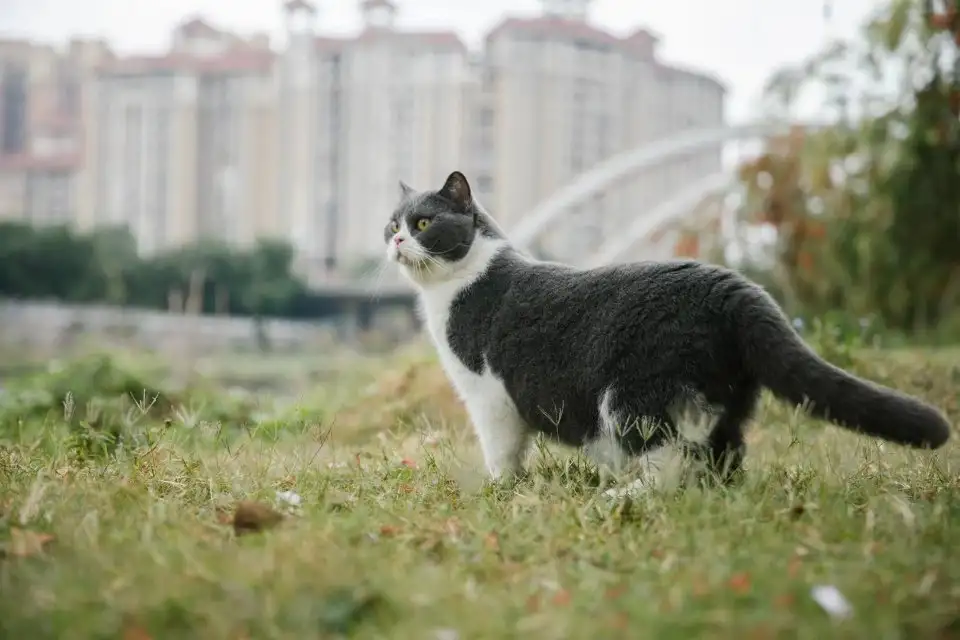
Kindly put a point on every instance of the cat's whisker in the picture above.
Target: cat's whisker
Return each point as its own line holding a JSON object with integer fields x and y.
{"x": 378, "y": 281}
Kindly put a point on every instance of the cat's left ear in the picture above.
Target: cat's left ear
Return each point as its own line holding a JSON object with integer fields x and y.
{"x": 457, "y": 190}
{"x": 405, "y": 189}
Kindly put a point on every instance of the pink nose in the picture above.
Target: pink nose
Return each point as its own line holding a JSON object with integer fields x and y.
{"x": 397, "y": 240}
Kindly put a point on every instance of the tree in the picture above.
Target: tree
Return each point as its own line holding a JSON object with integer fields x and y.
{"x": 867, "y": 212}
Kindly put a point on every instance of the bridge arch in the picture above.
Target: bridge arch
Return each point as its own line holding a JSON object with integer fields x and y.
{"x": 601, "y": 176}
{"x": 668, "y": 212}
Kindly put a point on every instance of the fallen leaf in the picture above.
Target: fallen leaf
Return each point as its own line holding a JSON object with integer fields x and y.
{"x": 492, "y": 541}
{"x": 24, "y": 543}
{"x": 252, "y": 517}
{"x": 405, "y": 488}
{"x": 739, "y": 583}
{"x": 561, "y": 598}
{"x": 135, "y": 632}
{"x": 407, "y": 462}
{"x": 614, "y": 593}
{"x": 784, "y": 601}
{"x": 388, "y": 530}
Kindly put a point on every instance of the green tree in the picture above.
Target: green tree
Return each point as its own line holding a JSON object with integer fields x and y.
{"x": 867, "y": 211}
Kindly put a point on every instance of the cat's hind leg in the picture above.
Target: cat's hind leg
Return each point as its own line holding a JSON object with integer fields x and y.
{"x": 725, "y": 445}
{"x": 638, "y": 435}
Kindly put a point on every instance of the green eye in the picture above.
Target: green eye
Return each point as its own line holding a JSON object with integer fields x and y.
{"x": 394, "y": 227}
{"x": 422, "y": 224}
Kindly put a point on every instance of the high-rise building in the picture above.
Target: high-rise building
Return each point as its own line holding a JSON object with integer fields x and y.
{"x": 40, "y": 127}
{"x": 358, "y": 115}
{"x": 179, "y": 146}
{"x": 558, "y": 95}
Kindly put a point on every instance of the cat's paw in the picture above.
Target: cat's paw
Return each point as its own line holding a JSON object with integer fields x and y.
{"x": 507, "y": 481}
{"x": 633, "y": 489}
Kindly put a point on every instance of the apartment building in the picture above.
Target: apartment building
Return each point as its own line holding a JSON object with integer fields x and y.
{"x": 558, "y": 95}
{"x": 359, "y": 114}
{"x": 179, "y": 147}
{"x": 40, "y": 127}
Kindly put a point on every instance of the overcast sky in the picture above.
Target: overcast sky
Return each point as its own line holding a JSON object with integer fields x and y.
{"x": 741, "y": 41}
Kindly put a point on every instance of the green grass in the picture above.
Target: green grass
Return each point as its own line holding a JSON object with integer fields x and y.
{"x": 399, "y": 537}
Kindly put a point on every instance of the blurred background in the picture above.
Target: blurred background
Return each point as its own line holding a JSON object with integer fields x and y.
{"x": 195, "y": 176}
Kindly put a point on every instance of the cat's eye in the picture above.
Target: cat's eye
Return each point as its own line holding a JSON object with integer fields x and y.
{"x": 422, "y": 224}
{"x": 394, "y": 227}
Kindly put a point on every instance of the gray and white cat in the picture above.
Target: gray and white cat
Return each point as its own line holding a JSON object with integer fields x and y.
{"x": 611, "y": 358}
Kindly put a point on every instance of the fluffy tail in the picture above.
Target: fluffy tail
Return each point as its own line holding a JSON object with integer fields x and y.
{"x": 778, "y": 357}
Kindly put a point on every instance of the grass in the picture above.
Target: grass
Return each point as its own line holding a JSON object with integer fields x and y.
{"x": 398, "y": 536}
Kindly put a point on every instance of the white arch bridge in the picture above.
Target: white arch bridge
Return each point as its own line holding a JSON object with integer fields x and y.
{"x": 621, "y": 166}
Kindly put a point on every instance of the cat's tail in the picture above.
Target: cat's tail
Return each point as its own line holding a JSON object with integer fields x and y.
{"x": 779, "y": 358}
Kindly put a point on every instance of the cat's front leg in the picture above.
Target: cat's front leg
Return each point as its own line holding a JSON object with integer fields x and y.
{"x": 504, "y": 438}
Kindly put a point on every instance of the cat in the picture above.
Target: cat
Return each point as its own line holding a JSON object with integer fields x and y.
{"x": 612, "y": 359}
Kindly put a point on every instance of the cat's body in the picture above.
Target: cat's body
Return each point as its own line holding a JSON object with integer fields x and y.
{"x": 614, "y": 359}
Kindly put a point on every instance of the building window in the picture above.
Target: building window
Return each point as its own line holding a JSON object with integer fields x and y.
{"x": 68, "y": 92}
{"x": 487, "y": 79}
{"x": 486, "y": 117}
{"x": 13, "y": 106}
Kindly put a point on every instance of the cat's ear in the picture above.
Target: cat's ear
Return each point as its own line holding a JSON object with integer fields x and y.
{"x": 457, "y": 190}
{"x": 405, "y": 189}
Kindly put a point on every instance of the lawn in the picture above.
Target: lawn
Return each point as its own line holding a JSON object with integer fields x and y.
{"x": 165, "y": 516}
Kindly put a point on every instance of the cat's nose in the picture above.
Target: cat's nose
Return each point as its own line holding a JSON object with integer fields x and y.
{"x": 398, "y": 240}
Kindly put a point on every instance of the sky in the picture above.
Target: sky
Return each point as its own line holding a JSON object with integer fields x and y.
{"x": 740, "y": 41}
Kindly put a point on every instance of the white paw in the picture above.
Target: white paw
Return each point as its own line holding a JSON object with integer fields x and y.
{"x": 634, "y": 489}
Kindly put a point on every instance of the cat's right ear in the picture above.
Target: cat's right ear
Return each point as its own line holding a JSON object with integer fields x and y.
{"x": 457, "y": 190}
{"x": 405, "y": 190}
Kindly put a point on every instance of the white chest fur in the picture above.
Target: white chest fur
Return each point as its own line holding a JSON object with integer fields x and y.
{"x": 499, "y": 428}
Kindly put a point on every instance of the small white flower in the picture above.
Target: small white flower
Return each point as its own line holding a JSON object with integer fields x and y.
{"x": 832, "y": 601}
{"x": 290, "y": 497}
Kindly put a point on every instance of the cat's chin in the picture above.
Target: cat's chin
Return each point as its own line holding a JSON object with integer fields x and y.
{"x": 417, "y": 271}
{"x": 410, "y": 263}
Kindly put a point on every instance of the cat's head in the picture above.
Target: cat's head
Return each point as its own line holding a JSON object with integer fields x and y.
{"x": 433, "y": 234}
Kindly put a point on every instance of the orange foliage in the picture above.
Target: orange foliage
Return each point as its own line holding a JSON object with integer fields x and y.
{"x": 943, "y": 20}
{"x": 816, "y": 229}
{"x": 687, "y": 246}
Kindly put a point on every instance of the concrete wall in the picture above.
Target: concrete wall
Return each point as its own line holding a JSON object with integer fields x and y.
{"x": 45, "y": 325}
